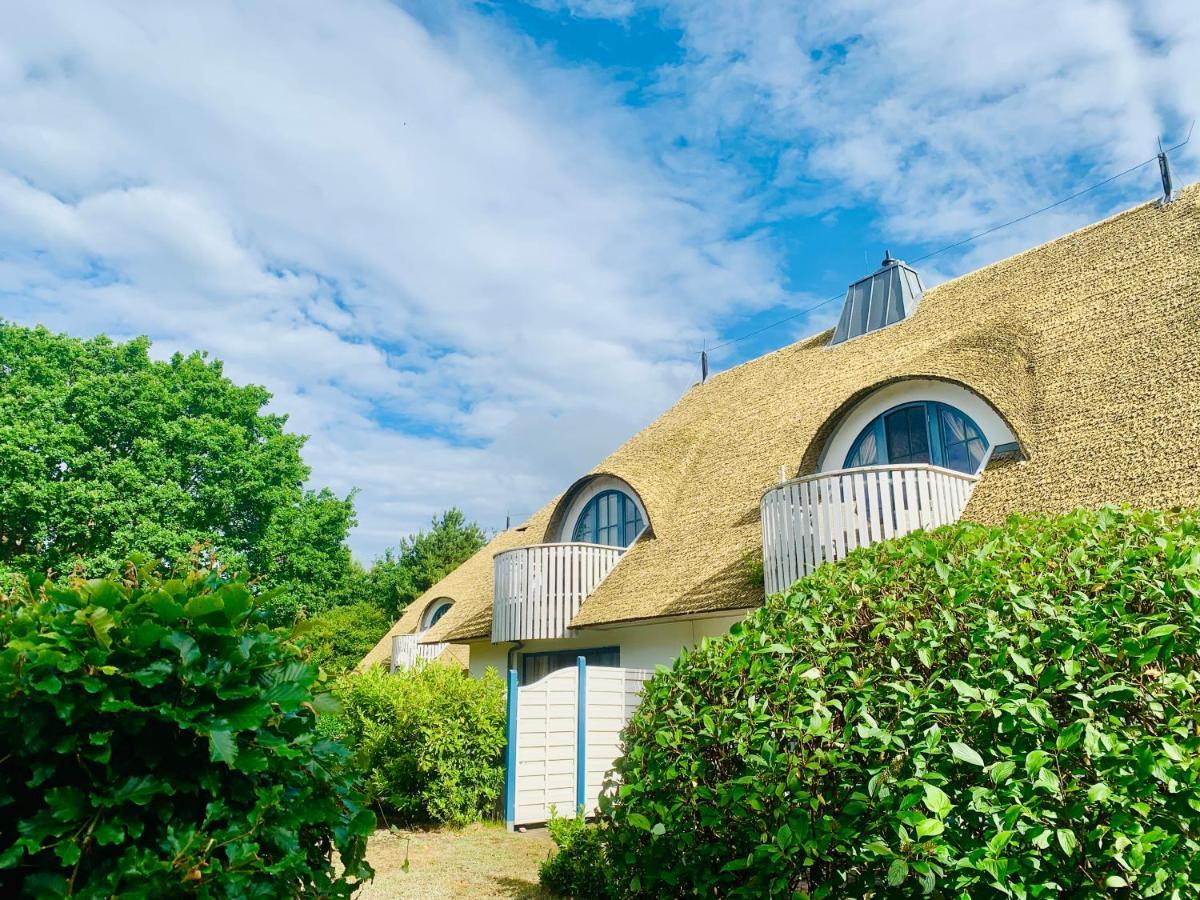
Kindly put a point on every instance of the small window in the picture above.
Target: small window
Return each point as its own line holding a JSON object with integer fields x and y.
{"x": 611, "y": 518}
{"x": 435, "y": 612}
{"x": 536, "y": 666}
{"x": 924, "y": 432}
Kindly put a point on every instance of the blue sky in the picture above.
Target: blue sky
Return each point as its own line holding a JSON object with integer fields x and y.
{"x": 472, "y": 247}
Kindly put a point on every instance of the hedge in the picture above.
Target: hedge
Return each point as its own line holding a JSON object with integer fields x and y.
{"x": 159, "y": 741}
{"x": 429, "y": 741}
{"x": 977, "y": 711}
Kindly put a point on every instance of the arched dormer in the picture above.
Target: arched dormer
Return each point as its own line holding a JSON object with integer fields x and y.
{"x": 599, "y": 509}
{"x": 434, "y": 612}
{"x": 903, "y": 456}
{"x": 918, "y": 420}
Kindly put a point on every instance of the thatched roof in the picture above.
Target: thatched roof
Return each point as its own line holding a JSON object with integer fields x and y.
{"x": 1089, "y": 347}
{"x": 469, "y": 586}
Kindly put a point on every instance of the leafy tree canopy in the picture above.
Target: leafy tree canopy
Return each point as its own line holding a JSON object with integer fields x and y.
{"x": 105, "y": 452}
{"x": 421, "y": 561}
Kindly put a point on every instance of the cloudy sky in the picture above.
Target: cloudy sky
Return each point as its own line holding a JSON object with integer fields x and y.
{"x": 472, "y": 247}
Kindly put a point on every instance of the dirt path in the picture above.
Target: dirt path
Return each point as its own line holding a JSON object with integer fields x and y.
{"x": 480, "y": 861}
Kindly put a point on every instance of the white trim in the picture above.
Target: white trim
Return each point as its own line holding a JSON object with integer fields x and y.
{"x": 597, "y": 485}
{"x": 833, "y": 455}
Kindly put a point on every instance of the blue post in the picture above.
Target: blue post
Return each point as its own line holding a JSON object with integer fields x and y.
{"x": 510, "y": 763}
{"x": 581, "y": 738}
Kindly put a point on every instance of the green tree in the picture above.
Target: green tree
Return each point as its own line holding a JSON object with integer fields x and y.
{"x": 341, "y": 636}
{"x": 304, "y": 551}
{"x": 105, "y": 452}
{"x": 421, "y": 561}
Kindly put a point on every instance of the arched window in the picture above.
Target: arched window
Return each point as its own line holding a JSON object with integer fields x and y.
{"x": 922, "y": 432}
{"x": 436, "y": 611}
{"x": 612, "y": 518}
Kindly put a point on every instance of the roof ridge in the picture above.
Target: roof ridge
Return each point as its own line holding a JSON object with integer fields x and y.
{"x": 1183, "y": 193}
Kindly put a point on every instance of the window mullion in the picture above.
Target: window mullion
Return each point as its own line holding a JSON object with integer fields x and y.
{"x": 933, "y": 428}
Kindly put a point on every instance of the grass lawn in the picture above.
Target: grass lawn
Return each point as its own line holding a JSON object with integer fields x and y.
{"x": 477, "y": 861}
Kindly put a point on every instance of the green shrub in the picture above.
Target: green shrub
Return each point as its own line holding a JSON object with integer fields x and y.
{"x": 973, "y": 712}
{"x": 579, "y": 869}
{"x": 157, "y": 741}
{"x": 428, "y": 740}
{"x": 338, "y": 638}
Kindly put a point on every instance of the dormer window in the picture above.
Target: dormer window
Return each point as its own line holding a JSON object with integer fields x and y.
{"x": 921, "y": 432}
{"x": 435, "y": 612}
{"x": 612, "y": 517}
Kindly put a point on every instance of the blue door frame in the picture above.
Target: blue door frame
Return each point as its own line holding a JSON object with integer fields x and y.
{"x": 510, "y": 761}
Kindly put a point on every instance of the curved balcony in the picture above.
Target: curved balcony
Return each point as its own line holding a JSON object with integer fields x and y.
{"x": 822, "y": 517}
{"x": 539, "y": 589}
{"x": 406, "y": 652}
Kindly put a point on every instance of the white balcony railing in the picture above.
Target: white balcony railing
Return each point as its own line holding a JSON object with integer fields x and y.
{"x": 406, "y": 652}
{"x": 813, "y": 520}
{"x": 539, "y": 589}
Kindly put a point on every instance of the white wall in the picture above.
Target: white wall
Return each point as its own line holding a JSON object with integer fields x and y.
{"x": 994, "y": 428}
{"x": 642, "y": 646}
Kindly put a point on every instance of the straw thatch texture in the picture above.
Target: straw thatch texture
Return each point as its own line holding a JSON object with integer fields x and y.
{"x": 1088, "y": 346}
{"x": 469, "y": 586}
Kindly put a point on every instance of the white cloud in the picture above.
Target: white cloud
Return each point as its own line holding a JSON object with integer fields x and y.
{"x": 466, "y": 269}
{"x": 452, "y": 260}
{"x": 948, "y": 116}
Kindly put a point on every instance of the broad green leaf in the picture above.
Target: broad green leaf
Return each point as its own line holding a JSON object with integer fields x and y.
{"x": 248, "y": 714}
{"x": 930, "y": 827}
{"x": 1047, "y": 779}
{"x": 965, "y": 690}
{"x": 189, "y": 652}
{"x": 999, "y": 841}
{"x": 936, "y": 801}
{"x": 107, "y": 833}
{"x": 637, "y": 820}
{"x": 965, "y": 753}
{"x": 897, "y": 872}
{"x": 1069, "y": 736}
{"x": 223, "y": 746}
{"x": 1021, "y": 662}
{"x": 1067, "y": 840}
{"x": 1001, "y": 771}
{"x": 203, "y": 604}
{"x": 1035, "y": 760}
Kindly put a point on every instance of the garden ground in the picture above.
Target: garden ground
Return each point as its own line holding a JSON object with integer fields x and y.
{"x": 477, "y": 861}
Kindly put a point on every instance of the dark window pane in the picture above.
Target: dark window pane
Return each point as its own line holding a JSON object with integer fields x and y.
{"x": 976, "y": 448}
{"x": 957, "y": 458}
{"x": 907, "y": 435}
{"x": 535, "y": 666}
{"x": 867, "y": 453}
{"x": 964, "y": 446}
{"x": 585, "y": 528}
{"x": 606, "y": 656}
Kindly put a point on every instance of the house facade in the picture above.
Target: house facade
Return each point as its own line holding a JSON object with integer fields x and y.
{"x": 1064, "y": 376}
